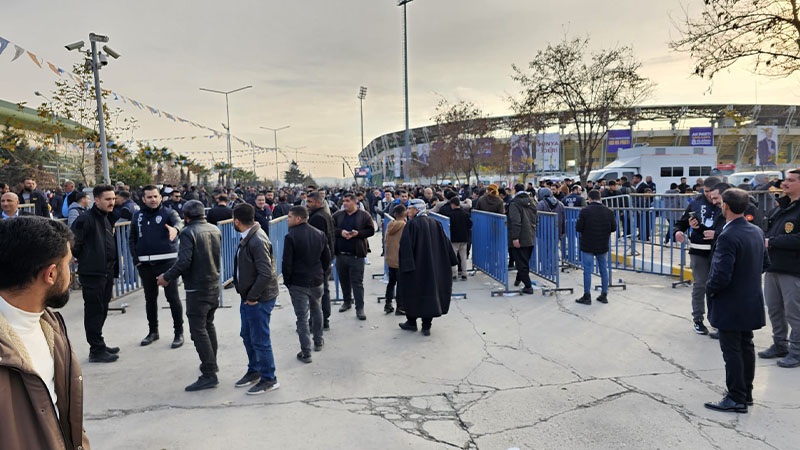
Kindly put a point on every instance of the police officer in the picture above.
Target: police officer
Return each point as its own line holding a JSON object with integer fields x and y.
{"x": 175, "y": 202}
{"x": 783, "y": 276}
{"x": 699, "y": 216}
{"x": 154, "y": 249}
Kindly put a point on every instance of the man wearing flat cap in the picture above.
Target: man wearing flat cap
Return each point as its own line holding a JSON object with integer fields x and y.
{"x": 199, "y": 265}
{"x": 424, "y": 282}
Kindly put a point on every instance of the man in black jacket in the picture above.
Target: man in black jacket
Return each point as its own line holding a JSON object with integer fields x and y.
{"x": 783, "y": 276}
{"x": 595, "y": 223}
{"x": 220, "y": 211}
{"x": 282, "y": 208}
{"x": 96, "y": 251}
{"x": 735, "y": 299}
{"x": 353, "y": 227}
{"x": 262, "y": 213}
{"x": 199, "y": 265}
{"x": 699, "y": 216}
{"x": 460, "y": 232}
{"x": 256, "y": 281}
{"x": 522, "y": 222}
{"x": 29, "y": 194}
{"x": 175, "y": 202}
{"x": 320, "y": 219}
{"x": 154, "y": 248}
{"x": 305, "y": 259}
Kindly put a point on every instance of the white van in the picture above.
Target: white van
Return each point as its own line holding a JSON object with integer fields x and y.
{"x": 735, "y": 179}
{"x": 665, "y": 164}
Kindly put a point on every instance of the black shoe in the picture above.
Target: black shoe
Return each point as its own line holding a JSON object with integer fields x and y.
{"x": 326, "y": 325}
{"x": 517, "y": 283}
{"x": 112, "y": 350}
{"x": 388, "y": 308}
{"x": 264, "y": 386}
{"x": 426, "y": 331}
{"x": 585, "y": 300}
{"x": 318, "y": 345}
{"x": 204, "y": 382}
{"x": 714, "y": 335}
{"x": 603, "y": 298}
{"x": 229, "y": 286}
{"x": 345, "y": 306}
{"x": 178, "y": 341}
{"x": 306, "y": 358}
{"x": 360, "y": 314}
{"x": 527, "y": 290}
{"x": 103, "y": 357}
{"x": 463, "y": 278}
{"x": 408, "y": 326}
{"x": 773, "y": 352}
{"x": 399, "y": 312}
{"x": 248, "y": 379}
{"x": 149, "y": 339}
{"x": 455, "y": 278}
{"x": 727, "y": 405}
{"x": 700, "y": 328}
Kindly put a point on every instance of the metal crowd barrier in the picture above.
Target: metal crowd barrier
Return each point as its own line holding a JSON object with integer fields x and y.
{"x": 278, "y": 229}
{"x": 544, "y": 260}
{"x": 386, "y": 220}
{"x": 490, "y": 247}
{"x": 445, "y": 221}
{"x": 574, "y": 254}
{"x": 230, "y": 242}
{"x": 27, "y": 207}
{"x": 127, "y": 280}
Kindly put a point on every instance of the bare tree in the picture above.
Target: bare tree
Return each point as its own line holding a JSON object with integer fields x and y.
{"x": 530, "y": 116}
{"x": 461, "y": 126}
{"x": 595, "y": 90}
{"x": 767, "y": 32}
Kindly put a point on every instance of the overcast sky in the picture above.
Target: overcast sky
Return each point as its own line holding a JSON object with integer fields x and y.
{"x": 307, "y": 59}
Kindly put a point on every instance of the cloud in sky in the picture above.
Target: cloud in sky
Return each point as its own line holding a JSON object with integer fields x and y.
{"x": 307, "y": 59}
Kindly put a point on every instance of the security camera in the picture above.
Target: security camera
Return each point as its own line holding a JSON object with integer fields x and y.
{"x": 101, "y": 58}
{"x": 74, "y": 46}
{"x": 110, "y": 52}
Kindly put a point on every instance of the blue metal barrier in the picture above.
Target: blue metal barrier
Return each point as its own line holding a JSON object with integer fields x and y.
{"x": 573, "y": 250}
{"x": 230, "y": 242}
{"x": 278, "y": 229}
{"x": 127, "y": 280}
{"x": 545, "y": 255}
{"x": 445, "y": 221}
{"x": 490, "y": 246}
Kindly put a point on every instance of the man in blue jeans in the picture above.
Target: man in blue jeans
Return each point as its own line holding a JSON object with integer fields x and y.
{"x": 595, "y": 223}
{"x": 256, "y": 281}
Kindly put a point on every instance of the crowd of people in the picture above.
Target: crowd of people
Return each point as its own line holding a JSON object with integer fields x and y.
{"x": 173, "y": 235}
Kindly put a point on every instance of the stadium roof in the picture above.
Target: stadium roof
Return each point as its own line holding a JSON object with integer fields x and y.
{"x": 25, "y": 118}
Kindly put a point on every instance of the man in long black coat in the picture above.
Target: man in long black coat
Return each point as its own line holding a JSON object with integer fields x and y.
{"x": 735, "y": 299}
{"x": 424, "y": 280}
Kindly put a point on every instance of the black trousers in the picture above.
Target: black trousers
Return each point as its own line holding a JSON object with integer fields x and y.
{"x": 148, "y": 272}
{"x": 326, "y": 293}
{"x": 351, "y": 278}
{"x": 740, "y": 363}
{"x": 426, "y": 321}
{"x": 521, "y": 257}
{"x": 200, "y": 309}
{"x": 391, "y": 287}
{"x": 97, "y": 291}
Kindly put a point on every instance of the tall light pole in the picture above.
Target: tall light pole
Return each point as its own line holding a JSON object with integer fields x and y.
{"x": 275, "y": 130}
{"x": 407, "y": 147}
{"x": 228, "y": 115}
{"x": 362, "y": 94}
{"x": 56, "y": 135}
{"x": 98, "y": 59}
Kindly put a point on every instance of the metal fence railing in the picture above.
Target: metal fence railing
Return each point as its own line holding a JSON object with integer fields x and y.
{"x": 490, "y": 246}
{"x": 230, "y": 242}
{"x": 29, "y": 208}
{"x": 278, "y": 229}
{"x": 445, "y": 221}
{"x": 544, "y": 260}
{"x": 127, "y": 280}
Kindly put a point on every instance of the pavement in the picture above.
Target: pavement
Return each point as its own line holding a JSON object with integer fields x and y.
{"x": 525, "y": 372}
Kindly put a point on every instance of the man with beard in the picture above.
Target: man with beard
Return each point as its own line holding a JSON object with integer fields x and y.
{"x": 30, "y": 194}
{"x": 320, "y": 219}
{"x": 40, "y": 377}
{"x": 154, "y": 248}
{"x": 426, "y": 260}
{"x": 96, "y": 250}
{"x": 263, "y": 214}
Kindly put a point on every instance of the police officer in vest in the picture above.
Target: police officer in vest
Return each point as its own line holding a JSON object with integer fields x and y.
{"x": 154, "y": 248}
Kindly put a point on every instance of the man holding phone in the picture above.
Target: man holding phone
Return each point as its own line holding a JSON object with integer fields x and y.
{"x": 352, "y": 228}
{"x": 699, "y": 217}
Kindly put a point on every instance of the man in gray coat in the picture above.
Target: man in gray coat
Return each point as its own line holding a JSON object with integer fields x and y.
{"x": 256, "y": 282}
{"x": 522, "y": 221}
{"x": 199, "y": 265}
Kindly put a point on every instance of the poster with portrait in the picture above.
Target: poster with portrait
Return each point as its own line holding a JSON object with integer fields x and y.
{"x": 520, "y": 154}
{"x": 767, "y": 146}
{"x": 423, "y": 153}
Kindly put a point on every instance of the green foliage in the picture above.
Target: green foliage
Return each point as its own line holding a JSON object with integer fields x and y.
{"x": 293, "y": 176}
{"x": 130, "y": 175}
{"x": 18, "y": 160}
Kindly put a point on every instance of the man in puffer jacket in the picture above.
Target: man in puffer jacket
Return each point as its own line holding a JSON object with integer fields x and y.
{"x": 522, "y": 221}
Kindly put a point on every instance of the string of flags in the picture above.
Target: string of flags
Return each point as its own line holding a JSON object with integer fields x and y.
{"x": 40, "y": 63}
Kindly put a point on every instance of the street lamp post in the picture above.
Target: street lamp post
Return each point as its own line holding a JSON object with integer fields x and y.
{"x": 362, "y": 94}
{"x": 275, "y": 130}
{"x": 228, "y": 115}
{"x": 56, "y": 135}
{"x": 407, "y": 147}
{"x": 98, "y": 59}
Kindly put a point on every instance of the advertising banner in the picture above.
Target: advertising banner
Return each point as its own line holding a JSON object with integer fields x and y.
{"x": 424, "y": 153}
{"x": 701, "y": 136}
{"x": 362, "y": 172}
{"x": 520, "y": 154}
{"x": 618, "y": 139}
{"x": 767, "y": 146}
{"x": 548, "y": 146}
{"x": 397, "y": 164}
